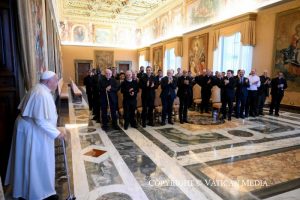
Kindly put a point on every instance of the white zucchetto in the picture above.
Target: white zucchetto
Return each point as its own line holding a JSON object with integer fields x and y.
{"x": 47, "y": 75}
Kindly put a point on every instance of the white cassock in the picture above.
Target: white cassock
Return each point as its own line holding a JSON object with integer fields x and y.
{"x": 31, "y": 166}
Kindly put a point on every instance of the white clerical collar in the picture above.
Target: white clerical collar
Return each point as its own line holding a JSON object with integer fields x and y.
{"x": 130, "y": 80}
{"x": 46, "y": 87}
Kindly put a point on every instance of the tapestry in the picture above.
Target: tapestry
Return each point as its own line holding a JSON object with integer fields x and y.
{"x": 287, "y": 47}
{"x": 104, "y": 59}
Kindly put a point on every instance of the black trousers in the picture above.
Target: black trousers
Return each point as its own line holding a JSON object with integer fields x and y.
{"x": 275, "y": 103}
{"x": 147, "y": 112}
{"x": 167, "y": 108}
{"x": 113, "y": 109}
{"x": 205, "y": 96}
{"x": 90, "y": 100}
{"x": 227, "y": 100}
{"x": 96, "y": 105}
{"x": 129, "y": 107}
{"x": 183, "y": 106}
{"x": 251, "y": 105}
{"x": 261, "y": 102}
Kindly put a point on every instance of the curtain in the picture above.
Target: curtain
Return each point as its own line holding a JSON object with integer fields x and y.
{"x": 246, "y": 27}
{"x": 27, "y": 56}
{"x": 232, "y": 54}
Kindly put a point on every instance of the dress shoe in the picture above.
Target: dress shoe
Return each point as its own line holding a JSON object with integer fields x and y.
{"x": 185, "y": 121}
{"x": 116, "y": 127}
{"x": 162, "y": 123}
{"x": 105, "y": 128}
{"x": 144, "y": 125}
{"x": 181, "y": 122}
{"x": 134, "y": 126}
{"x": 229, "y": 118}
{"x": 277, "y": 114}
{"x": 270, "y": 113}
{"x": 170, "y": 122}
{"x": 150, "y": 124}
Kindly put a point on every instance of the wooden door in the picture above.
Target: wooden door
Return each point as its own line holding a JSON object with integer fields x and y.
{"x": 9, "y": 87}
{"x": 123, "y": 67}
{"x": 82, "y": 66}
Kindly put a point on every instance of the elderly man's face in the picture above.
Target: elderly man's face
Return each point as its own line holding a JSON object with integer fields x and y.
{"x": 169, "y": 73}
{"x": 52, "y": 83}
{"x": 252, "y": 72}
{"x": 128, "y": 75}
{"x": 184, "y": 73}
{"x": 108, "y": 74}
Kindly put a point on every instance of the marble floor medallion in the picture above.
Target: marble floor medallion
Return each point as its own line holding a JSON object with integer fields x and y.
{"x": 240, "y": 133}
{"x": 102, "y": 174}
{"x": 182, "y": 139}
{"x": 115, "y": 196}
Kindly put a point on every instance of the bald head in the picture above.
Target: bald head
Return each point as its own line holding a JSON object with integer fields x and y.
{"x": 108, "y": 73}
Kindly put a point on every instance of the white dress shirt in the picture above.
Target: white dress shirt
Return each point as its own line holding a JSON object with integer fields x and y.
{"x": 252, "y": 79}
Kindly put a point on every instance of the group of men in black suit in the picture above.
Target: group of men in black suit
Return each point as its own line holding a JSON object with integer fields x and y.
{"x": 248, "y": 93}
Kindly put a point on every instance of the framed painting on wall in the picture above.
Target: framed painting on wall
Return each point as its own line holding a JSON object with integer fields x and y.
{"x": 104, "y": 59}
{"x": 198, "y": 50}
{"x": 158, "y": 58}
{"x": 287, "y": 47}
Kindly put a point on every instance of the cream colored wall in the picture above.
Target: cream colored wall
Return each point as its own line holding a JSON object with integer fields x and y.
{"x": 264, "y": 49}
{"x": 262, "y": 55}
{"x": 71, "y": 53}
{"x": 262, "y": 52}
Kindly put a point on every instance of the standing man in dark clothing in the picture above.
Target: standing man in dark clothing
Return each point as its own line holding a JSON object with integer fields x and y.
{"x": 88, "y": 82}
{"x": 184, "y": 93}
{"x": 167, "y": 95}
{"x": 129, "y": 89}
{"x": 96, "y": 95}
{"x": 141, "y": 72}
{"x": 159, "y": 76}
{"x": 108, "y": 96}
{"x": 278, "y": 85}
{"x": 241, "y": 93}
{"x": 263, "y": 91}
{"x": 206, "y": 85}
{"x": 148, "y": 85}
{"x": 227, "y": 94}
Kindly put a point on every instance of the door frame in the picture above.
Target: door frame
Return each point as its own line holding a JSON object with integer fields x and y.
{"x": 118, "y": 62}
{"x": 76, "y": 61}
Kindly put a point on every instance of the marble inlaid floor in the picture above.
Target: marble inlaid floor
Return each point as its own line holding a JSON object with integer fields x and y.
{"x": 254, "y": 158}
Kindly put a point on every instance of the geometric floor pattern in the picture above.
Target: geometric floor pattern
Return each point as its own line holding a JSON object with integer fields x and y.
{"x": 254, "y": 158}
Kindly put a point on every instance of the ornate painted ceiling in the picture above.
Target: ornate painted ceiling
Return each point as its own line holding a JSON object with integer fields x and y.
{"x": 107, "y": 11}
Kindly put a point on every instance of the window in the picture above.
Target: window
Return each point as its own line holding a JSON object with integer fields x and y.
{"x": 142, "y": 61}
{"x": 171, "y": 61}
{"x": 231, "y": 54}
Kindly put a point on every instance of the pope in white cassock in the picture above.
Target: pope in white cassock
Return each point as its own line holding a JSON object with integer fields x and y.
{"x": 31, "y": 166}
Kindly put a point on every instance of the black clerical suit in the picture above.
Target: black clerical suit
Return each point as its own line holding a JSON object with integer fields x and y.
{"x": 278, "y": 85}
{"x": 241, "y": 93}
{"x": 206, "y": 83}
{"x": 184, "y": 93}
{"x": 167, "y": 96}
{"x": 88, "y": 82}
{"x": 263, "y": 93}
{"x": 110, "y": 95}
{"x": 96, "y": 96}
{"x": 129, "y": 89}
{"x": 227, "y": 96}
{"x": 148, "y": 84}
